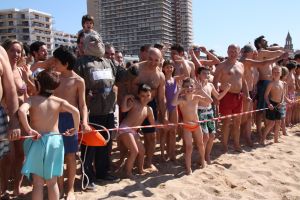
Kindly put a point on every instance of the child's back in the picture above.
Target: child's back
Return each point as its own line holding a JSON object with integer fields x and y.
{"x": 44, "y": 113}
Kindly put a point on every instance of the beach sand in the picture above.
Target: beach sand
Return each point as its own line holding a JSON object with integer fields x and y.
{"x": 270, "y": 172}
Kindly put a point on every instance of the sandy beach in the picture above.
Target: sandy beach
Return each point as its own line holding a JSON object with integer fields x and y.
{"x": 270, "y": 172}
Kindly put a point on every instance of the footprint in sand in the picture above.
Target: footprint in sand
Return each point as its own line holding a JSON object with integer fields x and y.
{"x": 235, "y": 195}
{"x": 254, "y": 182}
{"x": 212, "y": 190}
{"x": 266, "y": 173}
{"x": 258, "y": 196}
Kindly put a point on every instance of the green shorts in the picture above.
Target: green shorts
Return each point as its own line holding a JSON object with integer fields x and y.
{"x": 208, "y": 127}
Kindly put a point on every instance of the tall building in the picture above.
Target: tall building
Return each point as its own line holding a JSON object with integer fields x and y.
{"x": 289, "y": 43}
{"x": 27, "y": 26}
{"x": 129, "y": 24}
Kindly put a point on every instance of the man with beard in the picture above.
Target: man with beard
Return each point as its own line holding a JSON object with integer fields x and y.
{"x": 39, "y": 52}
{"x": 248, "y": 59}
{"x": 265, "y": 75}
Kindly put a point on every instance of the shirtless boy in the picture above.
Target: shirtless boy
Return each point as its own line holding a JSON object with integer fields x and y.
{"x": 188, "y": 104}
{"x": 205, "y": 110}
{"x": 71, "y": 89}
{"x": 274, "y": 96}
{"x": 45, "y": 152}
{"x": 138, "y": 111}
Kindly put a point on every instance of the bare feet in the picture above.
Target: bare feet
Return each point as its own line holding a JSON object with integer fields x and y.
{"x": 142, "y": 172}
{"x": 71, "y": 196}
{"x": 262, "y": 142}
{"x": 249, "y": 142}
{"x": 238, "y": 149}
{"x": 151, "y": 168}
{"x": 18, "y": 193}
{"x": 208, "y": 161}
{"x": 225, "y": 148}
{"x": 164, "y": 158}
{"x": 202, "y": 164}
{"x": 4, "y": 196}
{"x": 188, "y": 172}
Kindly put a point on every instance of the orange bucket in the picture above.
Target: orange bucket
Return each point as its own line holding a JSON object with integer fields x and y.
{"x": 93, "y": 137}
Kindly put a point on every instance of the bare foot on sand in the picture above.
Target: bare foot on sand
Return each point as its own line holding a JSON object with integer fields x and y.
{"x": 151, "y": 168}
{"x": 71, "y": 196}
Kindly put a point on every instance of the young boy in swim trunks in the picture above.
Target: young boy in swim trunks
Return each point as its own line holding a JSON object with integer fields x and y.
{"x": 274, "y": 96}
{"x": 138, "y": 111}
{"x": 45, "y": 152}
{"x": 205, "y": 110}
{"x": 188, "y": 104}
{"x": 71, "y": 89}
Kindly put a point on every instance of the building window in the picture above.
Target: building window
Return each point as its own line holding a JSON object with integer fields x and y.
{"x": 25, "y": 37}
{"x": 36, "y": 16}
{"x": 10, "y": 23}
{"x": 9, "y": 15}
{"x": 25, "y": 23}
{"x": 25, "y": 30}
{"x": 38, "y": 38}
{"x": 23, "y": 16}
{"x": 1, "y": 23}
{"x": 48, "y": 39}
{"x": 11, "y": 30}
{"x": 47, "y": 19}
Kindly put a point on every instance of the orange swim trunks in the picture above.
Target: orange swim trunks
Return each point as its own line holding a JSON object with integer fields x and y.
{"x": 231, "y": 103}
{"x": 191, "y": 126}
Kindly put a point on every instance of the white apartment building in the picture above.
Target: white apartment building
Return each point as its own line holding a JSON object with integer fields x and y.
{"x": 27, "y": 26}
{"x": 129, "y": 24}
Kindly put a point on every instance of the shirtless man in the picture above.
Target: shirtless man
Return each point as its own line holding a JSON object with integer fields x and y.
{"x": 144, "y": 50}
{"x": 297, "y": 77}
{"x": 210, "y": 61}
{"x": 291, "y": 87}
{"x": 150, "y": 74}
{"x": 8, "y": 93}
{"x": 249, "y": 62}
{"x": 232, "y": 71}
{"x": 39, "y": 52}
{"x": 181, "y": 66}
{"x": 265, "y": 75}
{"x": 71, "y": 89}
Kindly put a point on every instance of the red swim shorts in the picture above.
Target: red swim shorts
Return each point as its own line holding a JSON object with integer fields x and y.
{"x": 231, "y": 103}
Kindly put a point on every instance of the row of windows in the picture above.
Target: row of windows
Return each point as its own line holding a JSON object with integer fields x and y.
{"x": 23, "y": 16}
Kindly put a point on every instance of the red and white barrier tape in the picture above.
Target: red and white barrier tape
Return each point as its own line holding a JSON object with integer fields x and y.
{"x": 161, "y": 125}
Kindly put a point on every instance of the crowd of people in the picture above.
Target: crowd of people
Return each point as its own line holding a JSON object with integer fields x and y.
{"x": 53, "y": 98}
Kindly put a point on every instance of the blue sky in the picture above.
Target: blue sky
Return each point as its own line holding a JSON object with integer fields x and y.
{"x": 216, "y": 23}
